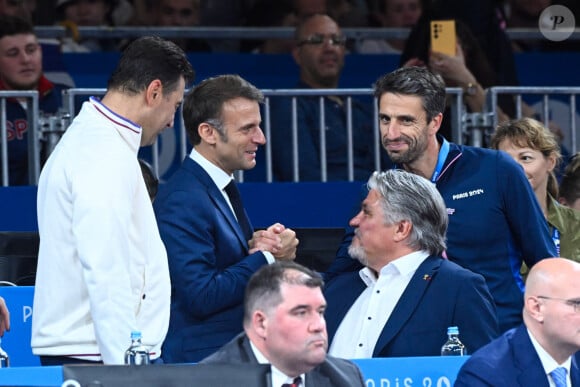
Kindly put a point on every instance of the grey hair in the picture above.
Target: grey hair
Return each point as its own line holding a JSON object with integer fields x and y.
{"x": 407, "y": 196}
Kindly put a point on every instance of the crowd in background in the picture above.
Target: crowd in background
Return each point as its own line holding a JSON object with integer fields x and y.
{"x": 480, "y": 16}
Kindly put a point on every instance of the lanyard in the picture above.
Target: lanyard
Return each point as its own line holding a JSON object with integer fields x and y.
{"x": 556, "y": 239}
{"x": 443, "y": 152}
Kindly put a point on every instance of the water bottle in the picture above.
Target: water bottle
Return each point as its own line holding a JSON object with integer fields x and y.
{"x": 137, "y": 354}
{"x": 453, "y": 347}
{"x": 4, "y": 360}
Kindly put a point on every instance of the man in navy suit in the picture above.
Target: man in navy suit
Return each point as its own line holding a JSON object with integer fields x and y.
{"x": 403, "y": 300}
{"x": 211, "y": 246}
{"x": 284, "y": 326}
{"x": 540, "y": 351}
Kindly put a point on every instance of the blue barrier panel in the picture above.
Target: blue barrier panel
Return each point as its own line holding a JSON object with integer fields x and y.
{"x": 17, "y": 342}
{"x": 18, "y": 208}
{"x": 307, "y": 205}
{"x": 31, "y": 376}
{"x": 411, "y": 371}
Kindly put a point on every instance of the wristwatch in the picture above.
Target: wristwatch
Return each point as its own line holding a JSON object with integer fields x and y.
{"x": 471, "y": 88}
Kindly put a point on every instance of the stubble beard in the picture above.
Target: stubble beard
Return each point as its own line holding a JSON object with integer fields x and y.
{"x": 416, "y": 149}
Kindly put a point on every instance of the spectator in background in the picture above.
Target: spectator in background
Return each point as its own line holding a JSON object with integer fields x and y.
{"x": 540, "y": 351}
{"x": 306, "y": 8}
{"x": 526, "y": 14}
{"x": 21, "y": 69}
{"x": 536, "y": 149}
{"x": 284, "y": 326}
{"x": 484, "y": 21}
{"x": 468, "y": 69}
{"x": 493, "y": 226}
{"x": 100, "y": 252}
{"x": 179, "y": 13}
{"x": 570, "y": 184}
{"x": 348, "y": 13}
{"x": 233, "y": 13}
{"x": 319, "y": 52}
{"x": 211, "y": 245}
{"x": 267, "y": 13}
{"x": 83, "y": 13}
{"x": 4, "y": 317}
{"x": 380, "y": 310}
{"x": 391, "y": 14}
{"x": 20, "y": 8}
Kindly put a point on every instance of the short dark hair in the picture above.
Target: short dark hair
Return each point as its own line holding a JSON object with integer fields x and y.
{"x": 14, "y": 25}
{"x": 204, "y": 102}
{"x": 263, "y": 289}
{"x": 415, "y": 81}
{"x": 147, "y": 59}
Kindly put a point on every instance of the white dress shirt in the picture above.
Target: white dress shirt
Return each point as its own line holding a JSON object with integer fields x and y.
{"x": 278, "y": 377}
{"x": 362, "y": 325}
{"x": 549, "y": 363}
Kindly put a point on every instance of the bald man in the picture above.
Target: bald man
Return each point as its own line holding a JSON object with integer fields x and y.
{"x": 539, "y": 352}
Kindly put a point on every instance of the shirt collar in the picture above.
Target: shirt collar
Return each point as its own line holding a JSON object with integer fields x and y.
{"x": 546, "y": 359}
{"x": 278, "y": 377}
{"x": 129, "y": 130}
{"x": 219, "y": 177}
{"x": 405, "y": 265}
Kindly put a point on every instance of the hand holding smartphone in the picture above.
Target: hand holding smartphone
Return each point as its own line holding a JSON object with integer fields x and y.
{"x": 443, "y": 37}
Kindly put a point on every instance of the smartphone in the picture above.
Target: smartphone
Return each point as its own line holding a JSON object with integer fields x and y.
{"x": 443, "y": 37}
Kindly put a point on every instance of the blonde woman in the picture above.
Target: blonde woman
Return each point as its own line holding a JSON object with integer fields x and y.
{"x": 536, "y": 149}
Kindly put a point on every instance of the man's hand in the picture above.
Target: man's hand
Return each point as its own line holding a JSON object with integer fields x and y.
{"x": 276, "y": 239}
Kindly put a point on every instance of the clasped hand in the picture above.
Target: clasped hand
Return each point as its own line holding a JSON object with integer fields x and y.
{"x": 276, "y": 239}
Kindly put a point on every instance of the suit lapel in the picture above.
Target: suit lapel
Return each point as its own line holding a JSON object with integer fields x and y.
{"x": 408, "y": 302}
{"x": 575, "y": 371}
{"x": 247, "y": 355}
{"x": 217, "y": 198}
{"x": 527, "y": 361}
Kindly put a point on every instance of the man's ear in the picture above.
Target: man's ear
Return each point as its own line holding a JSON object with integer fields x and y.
{"x": 154, "y": 92}
{"x": 435, "y": 123}
{"x": 207, "y": 133}
{"x": 534, "y": 308}
{"x": 260, "y": 323}
{"x": 296, "y": 54}
{"x": 403, "y": 230}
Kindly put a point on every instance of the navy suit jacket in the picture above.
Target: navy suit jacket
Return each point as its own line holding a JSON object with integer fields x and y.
{"x": 209, "y": 264}
{"x": 440, "y": 294}
{"x": 333, "y": 372}
{"x": 510, "y": 360}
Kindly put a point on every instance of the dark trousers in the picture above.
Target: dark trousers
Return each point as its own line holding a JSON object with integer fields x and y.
{"x": 62, "y": 360}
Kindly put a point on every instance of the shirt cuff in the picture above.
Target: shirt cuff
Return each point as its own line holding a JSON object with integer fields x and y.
{"x": 269, "y": 257}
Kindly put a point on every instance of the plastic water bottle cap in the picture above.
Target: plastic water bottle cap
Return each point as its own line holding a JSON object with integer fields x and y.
{"x": 453, "y": 330}
{"x": 135, "y": 335}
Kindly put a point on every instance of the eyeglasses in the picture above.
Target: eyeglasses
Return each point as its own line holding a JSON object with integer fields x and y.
{"x": 318, "y": 39}
{"x": 574, "y": 303}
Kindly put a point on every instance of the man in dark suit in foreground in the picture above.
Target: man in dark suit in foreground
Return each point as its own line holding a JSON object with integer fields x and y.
{"x": 284, "y": 325}
{"x": 407, "y": 295}
{"x": 211, "y": 245}
{"x": 540, "y": 351}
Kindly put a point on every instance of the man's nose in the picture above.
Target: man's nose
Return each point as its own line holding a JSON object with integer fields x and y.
{"x": 354, "y": 222}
